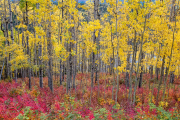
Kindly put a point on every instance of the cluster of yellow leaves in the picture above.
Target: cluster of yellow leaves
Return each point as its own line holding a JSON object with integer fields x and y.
{"x": 163, "y": 104}
{"x": 110, "y": 101}
{"x": 61, "y": 52}
{"x": 114, "y": 35}
{"x": 19, "y": 59}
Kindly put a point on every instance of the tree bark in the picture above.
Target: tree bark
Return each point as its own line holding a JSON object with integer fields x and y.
{"x": 141, "y": 73}
{"x": 7, "y": 69}
{"x": 174, "y": 30}
{"x": 139, "y": 60}
{"x": 11, "y": 21}
{"x": 40, "y": 56}
{"x": 132, "y": 64}
{"x": 61, "y": 65}
{"x": 49, "y": 48}
{"x": 160, "y": 82}
{"x": 2, "y": 69}
{"x": 27, "y": 41}
{"x": 127, "y": 69}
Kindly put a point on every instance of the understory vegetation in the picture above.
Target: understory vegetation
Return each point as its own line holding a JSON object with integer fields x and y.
{"x": 18, "y": 102}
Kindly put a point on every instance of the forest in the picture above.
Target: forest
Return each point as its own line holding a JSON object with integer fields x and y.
{"x": 98, "y": 60}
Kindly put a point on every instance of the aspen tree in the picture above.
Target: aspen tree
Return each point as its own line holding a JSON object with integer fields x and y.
{"x": 61, "y": 66}
{"x": 11, "y": 27}
{"x": 40, "y": 54}
{"x": 49, "y": 48}
{"x": 173, "y": 18}
{"x": 7, "y": 69}
{"x": 11, "y": 22}
{"x": 27, "y": 42}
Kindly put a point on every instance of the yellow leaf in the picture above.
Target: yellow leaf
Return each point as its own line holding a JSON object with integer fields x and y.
{"x": 96, "y": 33}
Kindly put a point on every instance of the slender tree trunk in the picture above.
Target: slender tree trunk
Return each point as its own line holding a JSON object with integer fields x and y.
{"x": 113, "y": 61}
{"x": 68, "y": 72}
{"x": 11, "y": 21}
{"x": 24, "y": 43}
{"x": 11, "y": 28}
{"x": 2, "y": 69}
{"x": 70, "y": 66}
{"x": 82, "y": 65}
{"x": 7, "y": 42}
{"x": 92, "y": 73}
{"x": 132, "y": 64}
{"x": 40, "y": 66}
{"x": 40, "y": 56}
{"x": 127, "y": 69}
{"x": 61, "y": 65}
{"x": 117, "y": 72}
{"x": 28, "y": 50}
{"x": 75, "y": 57}
{"x": 171, "y": 78}
{"x": 74, "y": 71}
{"x": 63, "y": 73}
{"x": 139, "y": 61}
{"x": 98, "y": 66}
{"x": 167, "y": 71}
{"x": 35, "y": 45}
{"x": 49, "y": 48}
{"x": 151, "y": 67}
{"x": 160, "y": 82}
{"x": 141, "y": 73}
{"x": 18, "y": 42}
{"x": 93, "y": 66}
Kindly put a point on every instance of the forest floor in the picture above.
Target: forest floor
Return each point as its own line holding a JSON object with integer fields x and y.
{"x": 18, "y": 102}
